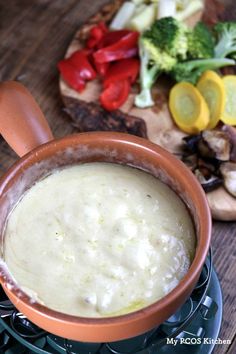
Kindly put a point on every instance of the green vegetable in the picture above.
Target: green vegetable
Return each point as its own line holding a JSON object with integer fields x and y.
{"x": 160, "y": 48}
{"x": 180, "y": 9}
{"x": 200, "y": 42}
{"x": 226, "y": 35}
{"x": 139, "y": 9}
{"x": 171, "y": 47}
{"x": 169, "y": 35}
{"x": 143, "y": 19}
{"x": 166, "y": 8}
{"x": 190, "y": 71}
{"x": 138, "y": 2}
{"x": 158, "y": 57}
{"x": 123, "y": 16}
{"x": 148, "y": 75}
{"x": 186, "y": 8}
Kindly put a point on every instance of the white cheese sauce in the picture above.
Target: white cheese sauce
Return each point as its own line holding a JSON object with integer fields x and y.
{"x": 98, "y": 240}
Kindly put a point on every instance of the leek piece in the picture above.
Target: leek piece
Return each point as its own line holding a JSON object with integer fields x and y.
{"x": 139, "y": 9}
{"x": 166, "y": 8}
{"x": 190, "y": 9}
{"x": 138, "y": 2}
{"x": 123, "y": 16}
{"x": 143, "y": 20}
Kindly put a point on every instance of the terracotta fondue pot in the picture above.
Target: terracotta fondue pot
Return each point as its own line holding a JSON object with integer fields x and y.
{"x": 25, "y": 129}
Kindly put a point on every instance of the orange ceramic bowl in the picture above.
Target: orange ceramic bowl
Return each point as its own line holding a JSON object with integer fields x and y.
{"x": 121, "y": 149}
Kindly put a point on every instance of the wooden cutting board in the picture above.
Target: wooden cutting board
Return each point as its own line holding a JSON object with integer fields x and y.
{"x": 160, "y": 126}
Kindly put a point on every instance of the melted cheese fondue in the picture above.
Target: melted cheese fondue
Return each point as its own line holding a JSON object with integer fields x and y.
{"x": 98, "y": 240}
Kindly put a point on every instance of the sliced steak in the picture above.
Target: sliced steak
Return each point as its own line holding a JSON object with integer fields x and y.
{"x": 90, "y": 116}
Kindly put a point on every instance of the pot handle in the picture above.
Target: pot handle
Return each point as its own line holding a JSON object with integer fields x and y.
{"x": 22, "y": 123}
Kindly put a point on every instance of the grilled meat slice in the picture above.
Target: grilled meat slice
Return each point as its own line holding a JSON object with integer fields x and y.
{"x": 90, "y": 116}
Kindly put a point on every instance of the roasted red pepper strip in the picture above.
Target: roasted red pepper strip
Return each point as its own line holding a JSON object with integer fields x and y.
{"x": 115, "y": 95}
{"x": 71, "y": 75}
{"x": 122, "y": 70}
{"x": 112, "y": 37}
{"x": 101, "y": 68}
{"x": 96, "y": 34}
{"x": 76, "y": 70}
{"x": 80, "y": 61}
{"x": 126, "y": 47}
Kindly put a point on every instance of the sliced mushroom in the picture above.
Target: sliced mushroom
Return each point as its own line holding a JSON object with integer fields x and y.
{"x": 191, "y": 161}
{"x": 228, "y": 171}
{"x": 191, "y": 142}
{"x": 231, "y": 131}
{"x": 215, "y": 144}
{"x": 208, "y": 183}
{"x": 212, "y": 166}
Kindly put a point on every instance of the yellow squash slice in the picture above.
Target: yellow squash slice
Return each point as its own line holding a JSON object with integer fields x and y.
{"x": 188, "y": 108}
{"x": 212, "y": 88}
{"x": 229, "y": 114}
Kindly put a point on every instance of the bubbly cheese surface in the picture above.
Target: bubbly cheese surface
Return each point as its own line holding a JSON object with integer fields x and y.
{"x": 99, "y": 240}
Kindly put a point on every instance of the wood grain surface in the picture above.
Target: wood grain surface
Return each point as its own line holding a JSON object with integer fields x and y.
{"x": 34, "y": 36}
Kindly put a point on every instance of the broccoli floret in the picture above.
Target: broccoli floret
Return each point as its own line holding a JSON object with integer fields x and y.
{"x": 169, "y": 35}
{"x": 200, "y": 42}
{"x": 160, "y": 47}
{"x": 153, "y": 62}
{"x": 226, "y": 36}
{"x": 191, "y": 70}
{"x": 148, "y": 75}
{"x": 161, "y": 58}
